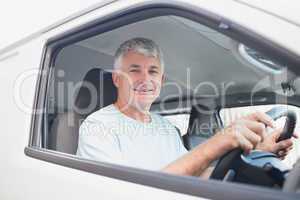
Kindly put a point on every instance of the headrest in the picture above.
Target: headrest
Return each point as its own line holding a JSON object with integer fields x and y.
{"x": 97, "y": 91}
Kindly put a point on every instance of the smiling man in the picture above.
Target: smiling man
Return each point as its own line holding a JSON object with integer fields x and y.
{"x": 126, "y": 133}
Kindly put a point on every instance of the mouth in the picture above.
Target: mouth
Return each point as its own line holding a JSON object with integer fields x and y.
{"x": 144, "y": 90}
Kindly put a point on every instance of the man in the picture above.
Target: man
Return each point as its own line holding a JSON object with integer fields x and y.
{"x": 127, "y": 133}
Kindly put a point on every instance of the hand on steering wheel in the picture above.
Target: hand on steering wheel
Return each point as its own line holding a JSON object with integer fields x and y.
{"x": 248, "y": 131}
{"x": 226, "y": 162}
{"x": 270, "y": 144}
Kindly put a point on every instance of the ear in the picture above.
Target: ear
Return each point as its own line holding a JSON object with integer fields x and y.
{"x": 115, "y": 78}
{"x": 163, "y": 79}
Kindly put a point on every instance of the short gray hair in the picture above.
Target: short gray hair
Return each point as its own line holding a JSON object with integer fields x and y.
{"x": 143, "y": 46}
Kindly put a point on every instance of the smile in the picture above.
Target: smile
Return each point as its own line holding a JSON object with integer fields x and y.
{"x": 144, "y": 91}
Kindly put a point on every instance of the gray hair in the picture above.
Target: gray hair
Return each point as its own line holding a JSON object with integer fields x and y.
{"x": 143, "y": 46}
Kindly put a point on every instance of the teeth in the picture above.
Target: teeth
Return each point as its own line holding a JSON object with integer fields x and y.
{"x": 143, "y": 90}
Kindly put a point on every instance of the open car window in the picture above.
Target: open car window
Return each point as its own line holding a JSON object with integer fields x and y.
{"x": 81, "y": 80}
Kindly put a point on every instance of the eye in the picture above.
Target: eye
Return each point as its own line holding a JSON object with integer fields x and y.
{"x": 153, "y": 72}
{"x": 134, "y": 70}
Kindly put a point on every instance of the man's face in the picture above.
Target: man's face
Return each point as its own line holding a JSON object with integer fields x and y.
{"x": 138, "y": 80}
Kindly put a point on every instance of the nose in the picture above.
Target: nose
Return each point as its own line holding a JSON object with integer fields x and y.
{"x": 145, "y": 75}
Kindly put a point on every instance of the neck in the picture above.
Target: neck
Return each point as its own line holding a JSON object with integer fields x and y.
{"x": 133, "y": 112}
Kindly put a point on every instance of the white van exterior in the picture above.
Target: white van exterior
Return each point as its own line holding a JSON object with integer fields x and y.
{"x": 26, "y": 177}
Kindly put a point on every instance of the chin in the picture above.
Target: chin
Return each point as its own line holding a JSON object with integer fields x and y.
{"x": 144, "y": 104}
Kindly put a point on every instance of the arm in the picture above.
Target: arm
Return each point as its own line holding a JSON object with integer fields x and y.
{"x": 245, "y": 133}
{"x": 197, "y": 160}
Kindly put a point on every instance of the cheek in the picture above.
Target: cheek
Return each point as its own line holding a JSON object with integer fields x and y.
{"x": 128, "y": 80}
{"x": 158, "y": 83}
{"x": 125, "y": 82}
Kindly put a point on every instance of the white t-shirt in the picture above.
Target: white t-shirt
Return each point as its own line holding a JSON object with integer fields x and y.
{"x": 109, "y": 135}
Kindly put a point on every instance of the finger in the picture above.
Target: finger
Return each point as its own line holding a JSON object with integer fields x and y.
{"x": 264, "y": 118}
{"x": 245, "y": 145}
{"x": 295, "y": 135}
{"x": 282, "y": 158}
{"x": 257, "y": 127}
{"x": 276, "y": 133}
{"x": 287, "y": 150}
{"x": 250, "y": 136}
{"x": 283, "y": 145}
{"x": 281, "y": 153}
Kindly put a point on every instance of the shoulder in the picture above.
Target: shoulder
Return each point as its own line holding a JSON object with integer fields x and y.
{"x": 100, "y": 121}
{"x": 104, "y": 117}
{"x": 103, "y": 114}
{"x": 160, "y": 119}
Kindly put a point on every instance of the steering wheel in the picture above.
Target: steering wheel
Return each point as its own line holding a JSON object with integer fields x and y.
{"x": 225, "y": 168}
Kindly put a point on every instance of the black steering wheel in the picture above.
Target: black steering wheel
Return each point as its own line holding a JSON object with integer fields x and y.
{"x": 224, "y": 169}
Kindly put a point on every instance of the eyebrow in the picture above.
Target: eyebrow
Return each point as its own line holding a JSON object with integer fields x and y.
{"x": 138, "y": 66}
{"x": 134, "y": 66}
{"x": 154, "y": 67}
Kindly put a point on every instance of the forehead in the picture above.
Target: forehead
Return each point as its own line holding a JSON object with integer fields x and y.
{"x": 136, "y": 58}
